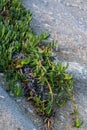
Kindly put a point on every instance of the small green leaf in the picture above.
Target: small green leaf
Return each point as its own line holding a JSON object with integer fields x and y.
{"x": 78, "y": 123}
{"x": 17, "y": 91}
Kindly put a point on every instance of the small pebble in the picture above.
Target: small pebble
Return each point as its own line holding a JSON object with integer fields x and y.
{"x": 30, "y": 110}
{"x": 18, "y": 100}
{"x": 62, "y": 118}
{"x": 2, "y": 97}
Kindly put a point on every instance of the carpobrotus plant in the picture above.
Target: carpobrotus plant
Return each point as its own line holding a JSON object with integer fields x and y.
{"x": 27, "y": 58}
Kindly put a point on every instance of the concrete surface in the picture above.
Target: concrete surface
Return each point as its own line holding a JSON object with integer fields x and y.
{"x": 11, "y": 117}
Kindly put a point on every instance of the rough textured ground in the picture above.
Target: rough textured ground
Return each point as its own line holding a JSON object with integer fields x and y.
{"x": 11, "y": 117}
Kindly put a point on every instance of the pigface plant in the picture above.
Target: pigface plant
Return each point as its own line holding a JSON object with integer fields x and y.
{"x": 27, "y": 62}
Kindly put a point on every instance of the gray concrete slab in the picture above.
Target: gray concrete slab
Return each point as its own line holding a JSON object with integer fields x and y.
{"x": 11, "y": 117}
